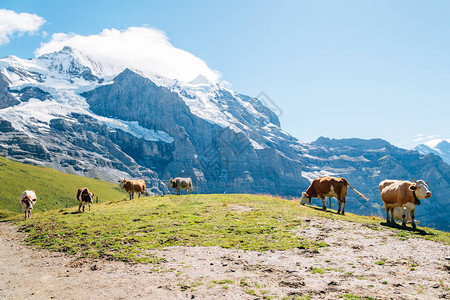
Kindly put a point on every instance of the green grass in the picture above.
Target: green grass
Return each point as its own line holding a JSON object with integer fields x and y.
{"x": 351, "y": 296}
{"x": 126, "y": 230}
{"x": 53, "y": 189}
{"x": 250, "y": 292}
{"x": 317, "y": 270}
{"x": 223, "y": 281}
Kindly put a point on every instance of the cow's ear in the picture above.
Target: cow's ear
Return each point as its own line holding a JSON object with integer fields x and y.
{"x": 412, "y": 187}
{"x": 426, "y": 183}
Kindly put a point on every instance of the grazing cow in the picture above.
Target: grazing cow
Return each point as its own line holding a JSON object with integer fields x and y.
{"x": 181, "y": 183}
{"x": 402, "y": 194}
{"x": 84, "y": 197}
{"x": 133, "y": 186}
{"x": 328, "y": 186}
{"x": 28, "y": 200}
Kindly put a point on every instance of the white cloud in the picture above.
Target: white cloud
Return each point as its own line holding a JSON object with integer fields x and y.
{"x": 421, "y": 137}
{"x": 12, "y": 23}
{"x": 139, "y": 48}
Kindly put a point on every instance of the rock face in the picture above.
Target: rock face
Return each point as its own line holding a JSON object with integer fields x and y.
{"x": 220, "y": 160}
{"x": 76, "y": 120}
{"x": 6, "y": 99}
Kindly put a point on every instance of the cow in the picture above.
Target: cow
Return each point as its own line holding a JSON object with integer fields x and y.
{"x": 181, "y": 183}
{"x": 406, "y": 210}
{"x": 402, "y": 194}
{"x": 28, "y": 200}
{"x": 84, "y": 197}
{"x": 133, "y": 186}
{"x": 328, "y": 186}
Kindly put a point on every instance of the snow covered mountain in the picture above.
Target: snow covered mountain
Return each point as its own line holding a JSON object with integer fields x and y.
{"x": 69, "y": 112}
{"x": 440, "y": 147}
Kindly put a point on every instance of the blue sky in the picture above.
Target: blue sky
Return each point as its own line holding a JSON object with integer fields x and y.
{"x": 339, "y": 69}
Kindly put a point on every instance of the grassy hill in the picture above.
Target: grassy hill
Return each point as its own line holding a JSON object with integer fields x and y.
{"x": 54, "y": 189}
{"x": 126, "y": 230}
{"x": 120, "y": 229}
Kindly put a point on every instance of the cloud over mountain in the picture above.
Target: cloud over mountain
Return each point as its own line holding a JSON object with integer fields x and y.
{"x": 141, "y": 48}
{"x": 12, "y": 23}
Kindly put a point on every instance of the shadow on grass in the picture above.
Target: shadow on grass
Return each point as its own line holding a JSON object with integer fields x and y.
{"x": 327, "y": 211}
{"x": 407, "y": 228}
{"x": 72, "y": 213}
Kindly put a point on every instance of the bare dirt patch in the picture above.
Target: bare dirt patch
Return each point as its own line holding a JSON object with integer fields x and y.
{"x": 364, "y": 261}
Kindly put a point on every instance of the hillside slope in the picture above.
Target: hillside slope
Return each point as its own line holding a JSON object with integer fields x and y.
{"x": 54, "y": 189}
{"x": 233, "y": 246}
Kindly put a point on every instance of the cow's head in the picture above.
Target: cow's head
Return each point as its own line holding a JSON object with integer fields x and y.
{"x": 121, "y": 182}
{"x": 305, "y": 198}
{"x": 89, "y": 197}
{"x": 27, "y": 203}
{"x": 171, "y": 182}
{"x": 420, "y": 187}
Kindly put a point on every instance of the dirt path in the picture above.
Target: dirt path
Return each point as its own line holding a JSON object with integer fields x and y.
{"x": 359, "y": 260}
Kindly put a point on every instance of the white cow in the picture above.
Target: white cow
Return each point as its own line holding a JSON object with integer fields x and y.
{"x": 28, "y": 200}
{"x": 406, "y": 211}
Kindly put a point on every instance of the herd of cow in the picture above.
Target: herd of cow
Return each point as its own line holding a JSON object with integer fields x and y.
{"x": 399, "y": 197}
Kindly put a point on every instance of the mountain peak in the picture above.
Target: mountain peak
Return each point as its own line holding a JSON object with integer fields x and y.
{"x": 200, "y": 80}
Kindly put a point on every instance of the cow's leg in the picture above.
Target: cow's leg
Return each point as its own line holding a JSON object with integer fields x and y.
{"x": 343, "y": 206}
{"x": 79, "y": 207}
{"x": 386, "y": 210}
{"x": 413, "y": 222}
{"x": 178, "y": 191}
{"x": 392, "y": 215}
{"x": 404, "y": 219}
{"x": 339, "y": 209}
{"x": 324, "y": 206}
{"x": 89, "y": 207}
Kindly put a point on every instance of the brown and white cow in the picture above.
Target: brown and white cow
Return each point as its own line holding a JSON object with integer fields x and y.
{"x": 84, "y": 197}
{"x": 28, "y": 200}
{"x": 133, "y": 186}
{"x": 328, "y": 186}
{"x": 403, "y": 194}
{"x": 181, "y": 183}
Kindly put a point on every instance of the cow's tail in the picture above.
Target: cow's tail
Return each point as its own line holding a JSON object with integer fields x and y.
{"x": 359, "y": 194}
